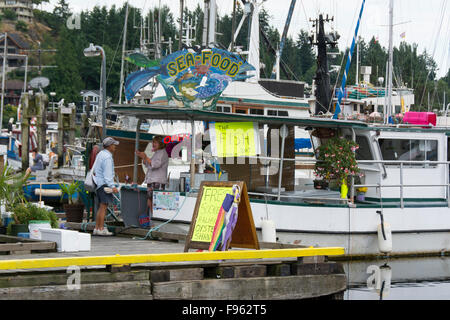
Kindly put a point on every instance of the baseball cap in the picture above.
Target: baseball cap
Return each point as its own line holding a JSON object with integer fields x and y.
{"x": 109, "y": 141}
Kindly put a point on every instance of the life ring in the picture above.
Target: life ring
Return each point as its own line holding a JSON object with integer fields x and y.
{"x": 94, "y": 152}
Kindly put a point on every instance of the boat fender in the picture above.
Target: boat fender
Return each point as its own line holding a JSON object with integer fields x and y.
{"x": 384, "y": 235}
{"x": 385, "y": 278}
{"x": 268, "y": 231}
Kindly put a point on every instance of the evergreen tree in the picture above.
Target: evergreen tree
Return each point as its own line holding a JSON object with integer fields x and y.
{"x": 65, "y": 80}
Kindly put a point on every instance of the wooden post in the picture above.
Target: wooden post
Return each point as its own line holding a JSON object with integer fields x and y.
{"x": 26, "y": 108}
{"x": 41, "y": 103}
{"x": 71, "y": 124}
{"x": 60, "y": 148}
{"x": 135, "y": 166}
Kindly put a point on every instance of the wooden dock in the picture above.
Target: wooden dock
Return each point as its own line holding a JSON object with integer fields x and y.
{"x": 127, "y": 268}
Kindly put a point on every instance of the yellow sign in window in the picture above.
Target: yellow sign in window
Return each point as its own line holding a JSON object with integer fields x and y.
{"x": 234, "y": 139}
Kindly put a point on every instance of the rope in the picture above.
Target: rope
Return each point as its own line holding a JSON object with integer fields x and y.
{"x": 126, "y": 166}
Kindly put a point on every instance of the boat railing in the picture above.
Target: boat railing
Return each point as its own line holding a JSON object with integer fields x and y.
{"x": 400, "y": 163}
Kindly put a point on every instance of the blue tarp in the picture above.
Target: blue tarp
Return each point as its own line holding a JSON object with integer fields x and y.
{"x": 301, "y": 143}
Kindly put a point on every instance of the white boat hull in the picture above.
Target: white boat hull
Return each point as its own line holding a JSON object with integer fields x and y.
{"x": 418, "y": 230}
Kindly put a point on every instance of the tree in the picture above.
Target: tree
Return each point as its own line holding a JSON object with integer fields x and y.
{"x": 9, "y": 14}
{"x": 65, "y": 80}
{"x": 21, "y": 26}
{"x": 306, "y": 57}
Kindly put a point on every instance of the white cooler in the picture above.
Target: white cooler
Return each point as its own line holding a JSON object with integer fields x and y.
{"x": 67, "y": 240}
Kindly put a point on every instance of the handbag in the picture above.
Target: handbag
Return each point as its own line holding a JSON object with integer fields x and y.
{"x": 89, "y": 183}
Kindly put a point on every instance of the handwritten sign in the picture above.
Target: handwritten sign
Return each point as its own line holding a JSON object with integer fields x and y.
{"x": 212, "y": 200}
{"x": 206, "y": 212}
{"x": 234, "y": 139}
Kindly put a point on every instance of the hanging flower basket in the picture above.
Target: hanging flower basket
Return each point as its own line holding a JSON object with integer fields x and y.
{"x": 336, "y": 160}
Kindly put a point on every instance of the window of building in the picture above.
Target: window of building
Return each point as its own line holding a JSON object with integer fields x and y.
{"x": 409, "y": 150}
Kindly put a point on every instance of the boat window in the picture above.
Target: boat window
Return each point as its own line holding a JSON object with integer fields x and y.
{"x": 277, "y": 113}
{"x": 223, "y": 109}
{"x": 409, "y": 150}
{"x": 241, "y": 111}
{"x": 363, "y": 152}
{"x": 257, "y": 111}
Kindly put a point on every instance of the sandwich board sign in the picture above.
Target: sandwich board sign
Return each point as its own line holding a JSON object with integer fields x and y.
{"x": 217, "y": 225}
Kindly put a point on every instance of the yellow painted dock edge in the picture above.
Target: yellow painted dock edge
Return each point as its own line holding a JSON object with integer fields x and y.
{"x": 167, "y": 257}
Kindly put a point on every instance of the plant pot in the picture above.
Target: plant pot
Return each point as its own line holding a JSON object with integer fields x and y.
{"x": 74, "y": 212}
{"x": 18, "y": 228}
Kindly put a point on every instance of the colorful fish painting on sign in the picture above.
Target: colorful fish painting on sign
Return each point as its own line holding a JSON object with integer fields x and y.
{"x": 192, "y": 79}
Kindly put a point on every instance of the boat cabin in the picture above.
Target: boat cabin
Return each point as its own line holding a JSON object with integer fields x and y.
{"x": 399, "y": 164}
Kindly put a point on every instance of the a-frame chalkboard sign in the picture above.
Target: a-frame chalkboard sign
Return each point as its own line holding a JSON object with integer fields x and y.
{"x": 209, "y": 201}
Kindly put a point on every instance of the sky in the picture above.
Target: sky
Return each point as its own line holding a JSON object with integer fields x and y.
{"x": 424, "y": 22}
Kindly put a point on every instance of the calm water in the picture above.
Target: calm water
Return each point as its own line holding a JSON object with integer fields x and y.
{"x": 398, "y": 279}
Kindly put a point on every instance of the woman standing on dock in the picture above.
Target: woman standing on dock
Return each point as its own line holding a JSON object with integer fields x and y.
{"x": 157, "y": 166}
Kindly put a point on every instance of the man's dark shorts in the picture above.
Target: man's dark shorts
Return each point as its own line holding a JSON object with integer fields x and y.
{"x": 104, "y": 197}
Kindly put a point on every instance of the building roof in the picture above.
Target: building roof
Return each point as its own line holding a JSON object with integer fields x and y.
{"x": 14, "y": 84}
{"x": 16, "y": 39}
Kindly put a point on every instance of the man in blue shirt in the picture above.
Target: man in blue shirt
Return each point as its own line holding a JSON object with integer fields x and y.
{"x": 104, "y": 179}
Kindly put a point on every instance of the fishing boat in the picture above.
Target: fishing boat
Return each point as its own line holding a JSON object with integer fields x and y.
{"x": 405, "y": 170}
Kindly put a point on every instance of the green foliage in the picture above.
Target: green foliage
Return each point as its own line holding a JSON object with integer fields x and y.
{"x": 23, "y": 213}
{"x": 21, "y": 26}
{"x": 336, "y": 160}
{"x": 70, "y": 189}
{"x": 9, "y": 112}
{"x": 9, "y": 14}
{"x": 11, "y": 187}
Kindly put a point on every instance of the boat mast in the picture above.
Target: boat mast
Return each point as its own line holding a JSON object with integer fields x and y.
{"x": 322, "y": 78}
{"x": 123, "y": 54}
{"x": 180, "y": 43}
{"x": 5, "y": 59}
{"x": 253, "y": 54}
{"x": 390, "y": 60}
{"x": 283, "y": 40}
{"x": 347, "y": 67}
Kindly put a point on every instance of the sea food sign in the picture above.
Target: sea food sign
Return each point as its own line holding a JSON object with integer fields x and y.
{"x": 193, "y": 79}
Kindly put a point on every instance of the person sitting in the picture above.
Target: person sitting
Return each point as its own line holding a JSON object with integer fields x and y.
{"x": 38, "y": 162}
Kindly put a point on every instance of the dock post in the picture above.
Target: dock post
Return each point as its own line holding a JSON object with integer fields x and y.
{"x": 41, "y": 101}
{"x": 284, "y": 134}
{"x": 27, "y": 110}
{"x": 135, "y": 166}
{"x": 192, "y": 155}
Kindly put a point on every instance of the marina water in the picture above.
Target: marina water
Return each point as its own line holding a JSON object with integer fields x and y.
{"x": 426, "y": 278}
